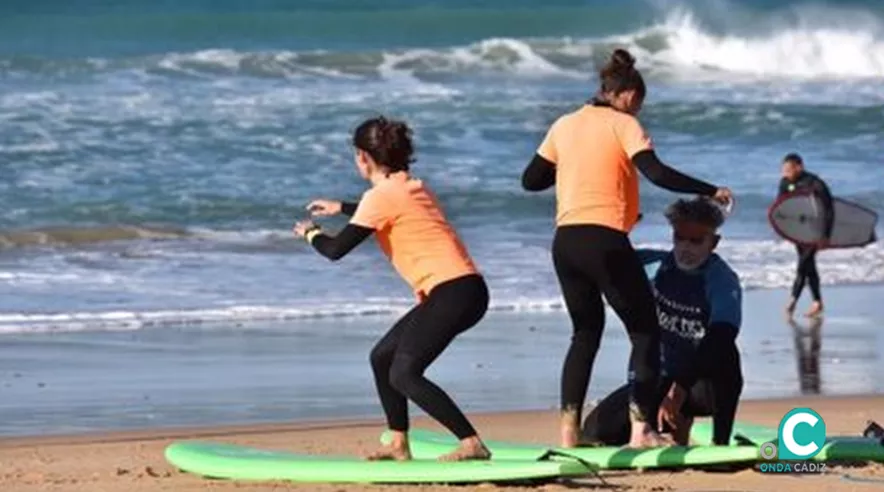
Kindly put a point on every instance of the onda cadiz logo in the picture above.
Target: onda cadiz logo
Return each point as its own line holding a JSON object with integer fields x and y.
{"x": 800, "y": 436}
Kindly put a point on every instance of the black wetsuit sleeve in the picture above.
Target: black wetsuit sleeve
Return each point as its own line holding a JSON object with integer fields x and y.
{"x": 710, "y": 354}
{"x": 666, "y": 177}
{"x": 717, "y": 358}
{"x": 349, "y": 208}
{"x": 821, "y": 190}
{"x": 539, "y": 175}
{"x": 336, "y": 247}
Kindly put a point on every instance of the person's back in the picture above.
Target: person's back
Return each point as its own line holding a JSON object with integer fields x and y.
{"x": 597, "y": 182}
{"x": 592, "y": 156}
{"x": 413, "y": 232}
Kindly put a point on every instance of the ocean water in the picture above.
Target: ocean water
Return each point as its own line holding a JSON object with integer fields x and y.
{"x": 74, "y": 382}
{"x": 154, "y": 155}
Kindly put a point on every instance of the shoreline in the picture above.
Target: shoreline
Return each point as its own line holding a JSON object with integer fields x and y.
{"x": 332, "y": 423}
{"x": 134, "y": 461}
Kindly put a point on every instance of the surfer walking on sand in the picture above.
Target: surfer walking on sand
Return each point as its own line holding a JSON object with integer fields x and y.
{"x": 592, "y": 156}
{"x": 796, "y": 178}
{"x": 699, "y": 307}
{"x": 414, "y": 234}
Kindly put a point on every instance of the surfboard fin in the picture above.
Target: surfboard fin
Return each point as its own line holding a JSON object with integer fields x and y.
{"x": 743, "y": 440}
{"x": 592, "y": 468}
{"x": 874, "y": 431}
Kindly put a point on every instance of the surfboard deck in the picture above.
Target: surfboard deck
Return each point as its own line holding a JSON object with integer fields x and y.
{"x": 427, "y": 444}
{"x": 798, "y": 217}
{"x": 839, "y": 447}
{"x": 230, "y": 461}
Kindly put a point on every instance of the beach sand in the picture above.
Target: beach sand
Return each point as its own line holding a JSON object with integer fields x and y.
{"x": 133, "y": 461}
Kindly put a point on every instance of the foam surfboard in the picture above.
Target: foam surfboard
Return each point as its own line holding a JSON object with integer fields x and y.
{"x": 426, "y": 444}
{"x": 798, "y": 217}
{"x": 843, "y": 447}
{"x": 229, "y": 461}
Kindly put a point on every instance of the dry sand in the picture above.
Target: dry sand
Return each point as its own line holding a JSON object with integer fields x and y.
{"x": 133, "y": 461}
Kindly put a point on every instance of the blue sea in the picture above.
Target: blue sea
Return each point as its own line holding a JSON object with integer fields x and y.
{"x": 154, "y": 155}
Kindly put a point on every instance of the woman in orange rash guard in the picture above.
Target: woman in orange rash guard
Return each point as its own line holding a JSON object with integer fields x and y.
{"x": 591, "y": 155}
{"x": 425, "y": 250}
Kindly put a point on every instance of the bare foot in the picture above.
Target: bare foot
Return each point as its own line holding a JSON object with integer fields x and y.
{"x": 398, "y": 449}
{"x": 570, "y": 429}
{"x": 386, "y": 453}
{"x": 816, "y": 308}
{"x": 643, "y": 436}
{"x": 471, "y": 448}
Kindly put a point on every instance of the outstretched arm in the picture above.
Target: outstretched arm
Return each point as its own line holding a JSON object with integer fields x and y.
{"x": 326, "y": 208}
{"x": 359, "y": 228}
{"x": 666, "y": 177}
{"x": 336, "y": 247}
{"x": 349, "y": 208}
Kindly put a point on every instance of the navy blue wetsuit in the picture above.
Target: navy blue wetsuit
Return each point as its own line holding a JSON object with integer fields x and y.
{"x": 700, "y": 313}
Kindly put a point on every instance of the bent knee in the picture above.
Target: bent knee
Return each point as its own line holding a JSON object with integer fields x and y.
{"x": 380, "y": 357}
{"x": 404, "y": 373}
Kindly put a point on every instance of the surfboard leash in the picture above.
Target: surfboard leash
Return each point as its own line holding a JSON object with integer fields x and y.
{"x": 592, "y": 467}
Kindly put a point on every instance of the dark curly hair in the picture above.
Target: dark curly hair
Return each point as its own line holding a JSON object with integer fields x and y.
{"x": 699, "y": 210}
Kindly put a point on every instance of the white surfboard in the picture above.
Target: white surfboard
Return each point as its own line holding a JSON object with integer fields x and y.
{"x": 798, "y": 217}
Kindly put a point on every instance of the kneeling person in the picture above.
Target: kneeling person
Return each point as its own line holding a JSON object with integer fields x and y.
{"x": 699, "y": 306}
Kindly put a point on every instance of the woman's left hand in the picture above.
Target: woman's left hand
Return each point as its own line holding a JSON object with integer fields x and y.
{"x": 302, "y": 227}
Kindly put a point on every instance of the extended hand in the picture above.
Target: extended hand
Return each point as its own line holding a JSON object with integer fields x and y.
{"x": 723, "y": 196}
{"x": 300, "y": 229}
{"x": 322, "y": 207}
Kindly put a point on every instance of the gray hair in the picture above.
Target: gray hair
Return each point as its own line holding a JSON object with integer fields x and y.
{"x": 699, "y": 210}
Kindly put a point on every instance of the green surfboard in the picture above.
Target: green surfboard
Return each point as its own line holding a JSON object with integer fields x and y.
{"x": 837, "y": 448}
{"x": 427, "y": 444}
{"x": 228, "y": 461}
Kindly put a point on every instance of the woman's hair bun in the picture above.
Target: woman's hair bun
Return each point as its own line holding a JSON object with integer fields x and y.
{"x": 621, "y": 58}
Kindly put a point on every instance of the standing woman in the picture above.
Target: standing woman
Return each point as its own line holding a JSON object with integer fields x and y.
{"x": 591, "y": 156}
{"x": 452, "y": 296}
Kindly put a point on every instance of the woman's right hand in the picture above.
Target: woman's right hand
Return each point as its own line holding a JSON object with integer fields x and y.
{"x": 723, "y": 196}
{"x": 322, "y": 207}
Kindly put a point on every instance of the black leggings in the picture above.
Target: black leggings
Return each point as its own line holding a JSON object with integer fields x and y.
{"x": 806, "y": 272}
{"x": 400, "y": 358}
{"x": 591, "y": 261}
{"x": 717, "y": 394}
